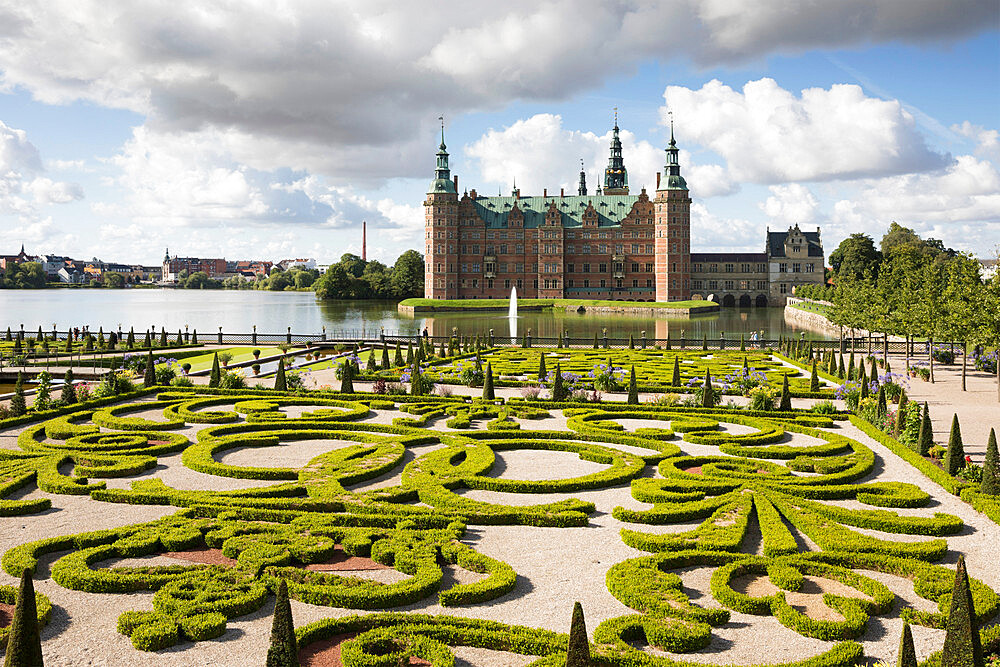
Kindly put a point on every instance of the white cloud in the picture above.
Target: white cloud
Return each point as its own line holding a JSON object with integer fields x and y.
{"x": 987, "y": 141}
{"x": 23, "y": 191}
{"x": 767, "y": 134}
{"x": 790, "y": 204}
{"x": 711, "y": 233}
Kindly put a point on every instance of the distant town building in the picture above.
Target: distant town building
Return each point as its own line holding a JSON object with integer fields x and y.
{"x": 987, "y": 268}
{"x": 19, "y": 258}
{"x": 305, "y": 264}
{"x": 610, "y": 245}
{"x": 172, "y": 267}
{"x": 72, "y": 275}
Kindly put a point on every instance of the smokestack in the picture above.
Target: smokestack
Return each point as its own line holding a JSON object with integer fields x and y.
{"x": 657, "y": 180}
{"x": 456, "y": 182}
{"x": 364, "y": 241}
{"x": 562, "y": 192}
{"x": 545, "y": 192}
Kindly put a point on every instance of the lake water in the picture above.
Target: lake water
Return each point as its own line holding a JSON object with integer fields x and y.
{"x": 272, "y": 312}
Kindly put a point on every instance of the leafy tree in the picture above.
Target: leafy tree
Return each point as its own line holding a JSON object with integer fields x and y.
{"x": 28, "y": 275}
{"x": 896, "y": 236}
{"x": 855, "y": 257}
{"x": 114, "y": 280}
{"x": 200, "y": 280}
{"x": 408, "y": 275}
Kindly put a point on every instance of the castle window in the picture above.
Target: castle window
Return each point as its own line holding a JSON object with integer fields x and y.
{"x": 761, "y": 284}
{"x": 635, "y": 248}
{"x": 783, "y": 288}
{"x": 586, "y": 250}
{"x": 586, "y": 268}
{"x": 783, "y": 268}
{"x": 569, "y": 268}
{"x": 489, "y": 283}
{"x": 602, "y": 268}
{"x": 729, "y": 284}
{"x": 555, "y": 284}
{"x": 713, "y": 268}
{"x": 465, "y": 268}
{"x": 809, "y": 268}
{"x": 618, "y": 282}
{"x": 649, "y": 248}
{"x": 475, "y": 282}
{"x": 603, "y": 249}
{"x": 586, "y": 283}
{"x": 673, "y": 247}
{"x": 535, "y": 283}
{"x": 729, "y": 268}
{"x": 649, "y": 267}
{"x": 697, "y": 269}
{"x": 744, "y": 284}
{"x": 635, "y": 267}
{"x": 569, "y": 283}
{"x": 713, "y": 284}
{"x": 503, "y": 248}
{"x": 520, "y": 249}
{"x": 673, "y": 267}
{"x": 697, "y": 284}
{"x": 520, "y": 284}
{"x": 796, "y": 268}
{"x": 604, "y": 283}
{"x": 635, "y": 283}
{"x": 506, "y": 284}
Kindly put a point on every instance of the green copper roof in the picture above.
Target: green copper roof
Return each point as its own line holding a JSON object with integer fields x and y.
{"x": 611, "y": 209}
{"x": 442, "y": 185}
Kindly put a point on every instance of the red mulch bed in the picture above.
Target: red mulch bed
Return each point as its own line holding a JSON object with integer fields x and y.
{"x": 695, "y": 470}
{"x": 338, "y": 562}
{"x": 6, "y": 614}
{"x": 326, "y": 653}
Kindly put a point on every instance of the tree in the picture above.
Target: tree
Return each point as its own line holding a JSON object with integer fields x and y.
{"x": 68, "y": 395}
{"x": 676, "y": 379}
{"x": 559, "y": 391}
{"x": 541, "y": 367}
{"x": 786, "y": 396}
{"x": 855, "y": 257}
{"x": 408, "y": 275}
{"x": 991, "y": 473}
{"x": 633, "y": 390}
{"x": 347, "y": 377}
{"x": 200, "y": 280}
{"x": 963, "y": 304}
{"x": 925, "y": 437}
{"x": 955, "y": 457}
{"x": 896, "y": 236}
{"x": 578, "y": 650}
{"x": 334, "y": 284}
{"x": 28, "y": 275}
{"x": 216, "y": 376}
{"x": 114, "y": 280}
{"x": 283, "y": 651}
{"x": 149, "y": 379}
{"x": 707, "y": 394}
{"x": 962, "y": 646}
{"x": 907, "y": 654}
{"x": 488, "y": 393}
{"x": 813, "y": 378}
{"x": 18, "y": 406}
{"x": 24, "y": 643}
{"x": 280, "y": 383}
{"x": 385, "y": 358}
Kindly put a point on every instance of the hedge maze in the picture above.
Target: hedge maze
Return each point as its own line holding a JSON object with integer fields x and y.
{"x": 775, "y": 503}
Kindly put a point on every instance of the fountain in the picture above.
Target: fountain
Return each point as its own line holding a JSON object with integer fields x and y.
{"x": 512, "y": 314}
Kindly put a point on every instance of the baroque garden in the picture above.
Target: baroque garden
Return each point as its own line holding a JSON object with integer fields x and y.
{"x": 449, "y": 501}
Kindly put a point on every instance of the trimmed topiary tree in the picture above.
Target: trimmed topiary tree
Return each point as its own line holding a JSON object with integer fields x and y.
{"x": 372, "y": 364}
{"x": 283, "y": 651}
{"x": 633, "y": 390}
{"x": 280, "y": 383}
{"x": 907, "y": 654}
{"x": 216, "y": 375}
{"x": 397, "y": 359}
{"x": 925, "y": 437}
{"x": 149, "y": 378}
{"x": 841, "y": 373}
{"x": 130, "y": 341}
{"x": 409, "y": 353}
{"x": 559, "y": 391}
{"x": 631, "y": 342}
{"x": 24, "y": 643}
{"x": 991, "y": 482}
{"x": 814, "y": 378}
{"x": 347, "y": 377}
{"x": 881, "y": 406}
{"x": 68, "y": 395}
{"x": 786, "y": 395}
{"x": 541, "y": 367}
{"x": 194, "y": 336}
{"x": 18, "y": 406}
{"x": 488, "y": 393}
{"x": 147, "y": 342}
{"x": 578, "y": 650}
{"x": 707, "y": 394}
{"x": 851, "y": 374}
{"x": 955, "y": 457}
{"x": 595, "y": 340}
{"x": 676, "y": 379}
{"x": 163, "y": 337}
{"x": 962, "y": 647}
{"x": 385, "y": 358}
{"x": 416, "y": 382}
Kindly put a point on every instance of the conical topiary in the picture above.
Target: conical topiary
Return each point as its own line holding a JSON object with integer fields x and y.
{"x": 488, "y": 393}
{"x": 707, "y": 394}
{"x": 385, "y": 358}
{"x": 347, "y": 377}
{"x": 149, "y": 378}
{"x": 675, "y": 381}
{"x": 955, "y": 457}
{"x": 283, "y": 651}
{"x": 372, "y": 364}
{"x": 163, "y": 337}
{"x": 18, "y": 406}
{"x": 397, "y": 359}
{"x": 559, "y": 391}
{"x": 131, "y": 338}
{"x": 881, "y": 406}
{"x": 541, "y": 367}
{"x": 814, "y": 379}
{"x": 925, "y": 437}
{"x": 907, "y": 654}
{"x": 24, "y": 643}
{"x": 146, "y": 341}
{"x": 631, "y": 342}
{"x": 595, "y": 340}
{"x": 68, "y": 395}
{"x": 901, "y": 412}
{"x": 216, "y": 375}
{"x": 786, "y": 395}
{"x": 194, "y": 336}
{"x": 962, "y": 646}
{"x": 873, "y": 374}
{"x": 409, "y": 353}
{"x": 991, "y": 482}
{"x": 633, "y": 390}
{"x": 851, "y": 374}
{"x": 280, "y": 383}
{"x": 578, "y": 651}
{"x": 841, "y": 373}
{"x": 704, "y": 342}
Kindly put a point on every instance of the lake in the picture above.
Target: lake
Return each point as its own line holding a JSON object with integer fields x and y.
{"x": 272, "y": 312}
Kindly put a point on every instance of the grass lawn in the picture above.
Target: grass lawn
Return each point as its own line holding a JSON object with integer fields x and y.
{"x": 204, "y": 361}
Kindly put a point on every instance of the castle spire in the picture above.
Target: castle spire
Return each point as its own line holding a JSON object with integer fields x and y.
{"x": 582, "y": 189}
{"x": 615, "y": 175}
{"x": 442, "y": 173}
{"x": 672, "y": 169}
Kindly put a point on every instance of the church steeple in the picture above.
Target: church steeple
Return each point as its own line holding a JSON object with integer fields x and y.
{"x": 672, "y": 169}
{"x": 442, "y": 173}
{"x": 615, "y": 175}
{"x": 582, "y": 189}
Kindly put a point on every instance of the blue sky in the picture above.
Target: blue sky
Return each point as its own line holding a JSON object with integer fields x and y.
{"x": 125, "y": 132}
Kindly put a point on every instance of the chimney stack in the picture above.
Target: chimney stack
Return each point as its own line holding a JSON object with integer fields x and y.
{"x": 456, "y": 182}
{"x": 545, "y": 192}
{"x": 562, "y": 192}
{"x": 657, "y": 180}
{"x": 364, "y": 240}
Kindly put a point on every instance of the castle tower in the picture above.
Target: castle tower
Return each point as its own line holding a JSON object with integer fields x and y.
{"x": 441, "y": 230}
{"x": 582, "y": 188}
{"x": 673, "y": 230}
{"x": 615, "y": 175}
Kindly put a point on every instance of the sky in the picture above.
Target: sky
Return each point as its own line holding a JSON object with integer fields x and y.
{"x": 271, "y": 130}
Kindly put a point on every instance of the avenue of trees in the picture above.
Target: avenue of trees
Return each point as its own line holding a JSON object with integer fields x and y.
{"x": 911, "y": 287}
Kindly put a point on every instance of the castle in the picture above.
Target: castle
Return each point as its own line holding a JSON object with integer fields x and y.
{"x": 611, "y": 245}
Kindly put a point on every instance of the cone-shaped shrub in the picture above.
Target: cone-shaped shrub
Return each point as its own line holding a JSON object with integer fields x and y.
{"x": 746, "y": 367}
{"x": 991, "y": 482}
{"x": 149, "y": 378}
{"x": 69, "y": 343}
{"x": 578, "y": 652}
{"x": 416, "y": 382}
{"x": 385, "y": 358}
{"x": 372, "y": 364}
{"x": 633, "y": 390}
{"x": 559, "y": 392}
{"x": 831, "y": 364}
{"x": 907, "y": 654}
{"x": 347, "y": 377}
{"x": 146, "y": 341}
{"x": 841, "y": 373}
{"x": 873, "y": 374}
{"x": 882, "y": 407}
{"x": 631, "y": 342}
{"x": 786, "y": 395}
{"x": 541, "y": 367}
{"x": 283, "y": 651}
{"x": 397, "y": 359}
{"x": 955, "y": 458}
{"x": 851, "y": 374}
{"x": 668, "y": 342}
{"x": 676, "y": 380}
{"x": 559, "y": 343}
{"x": 925, "y": 437}
{"x": 18, "y": 406}
{"x": 865, "y": 389}
{"x": 163, "y": 337}
{"x": 215, "y": 376}
{"x": 24, "y": 643}
{"x": 280, "y": 383}
{"x": 814, "y": 378}
{"x": 704, "y": 342}
{"x": 743, "y": 345}
{"x": 68, "y": 395}
{"x": 130, "y": 342}
{"x": 194, "y": 336}
{"x": 488, "y": 393}
{"x": 180, "y": 338}
{"x": 595, "y": 340}
{"x": 409, "y": 353}
{"x": 962, "y": 647}
{"x": 707, "y": 395}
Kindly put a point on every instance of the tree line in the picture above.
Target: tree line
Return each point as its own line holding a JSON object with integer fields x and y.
{"x": 910, "y": 287}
